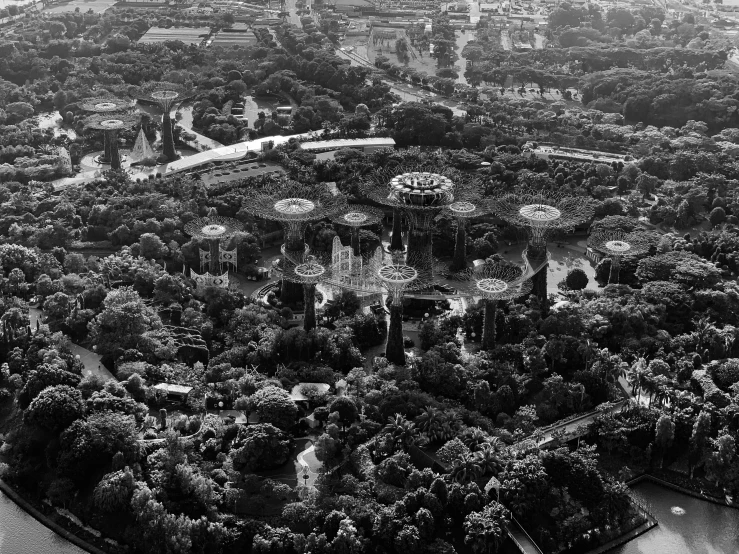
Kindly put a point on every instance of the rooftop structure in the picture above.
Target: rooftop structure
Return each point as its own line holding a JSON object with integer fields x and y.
{"x": 365, "y": 144}
{"x": 191, "y": 36}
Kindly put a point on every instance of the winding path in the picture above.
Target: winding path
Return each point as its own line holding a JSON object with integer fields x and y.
{"x": 92, "y": 364}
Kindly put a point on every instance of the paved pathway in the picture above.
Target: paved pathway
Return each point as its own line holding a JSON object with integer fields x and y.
{"x": 91, "y": 361}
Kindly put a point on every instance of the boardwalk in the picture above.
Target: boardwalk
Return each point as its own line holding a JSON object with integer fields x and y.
{"x": 521, "y": 538}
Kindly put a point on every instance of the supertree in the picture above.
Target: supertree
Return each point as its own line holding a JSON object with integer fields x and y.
{"x": 309, "y": 271}
{"x": 213, "y": 228}
{"x": 356, "y": 216}
{"x": 419, "y": 196}
{"x": 462, "y": 211}
{"x": 617, "y": 244}
{"x": 540, "y": 213}
{"x": 105, "y": 105}
{"x": 396, "y": 278}
{"x": 294, "y": 206}
{"x": 165, "y": 95}
{"x": 493, "y": 282}
{"x": 110, "y": 124}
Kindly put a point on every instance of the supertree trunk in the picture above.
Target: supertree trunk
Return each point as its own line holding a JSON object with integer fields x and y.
{"x": 488, "y": 324}
{"x": 167, "y": 137}
{"x": 215, "y": 254}
{"x": 615, "y": 270}
{"x": 537, "y": 255}
{"x": 355, "y": 241}
{"x": 459, "y": 261}
{"x": 115, "y": 155}
{"x": 292, "y": 293}
{"x": 309, "y": 298}
{"x": 396, "y": 242}
{"x": 394, "y": 352}
{"x": 106, "y": 148}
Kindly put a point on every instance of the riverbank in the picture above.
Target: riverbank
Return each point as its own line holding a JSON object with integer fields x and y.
{"x": 29, "y": 508}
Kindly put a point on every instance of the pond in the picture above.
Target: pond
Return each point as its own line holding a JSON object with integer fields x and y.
{"x": 687, "y": 525}
{"x": 20, "y": 532}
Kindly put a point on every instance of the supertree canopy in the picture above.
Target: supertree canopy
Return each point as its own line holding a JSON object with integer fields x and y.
{"x": 110, "y": 124}
{"x": 308, "y": 271}
{"x": 356, "y": 216}
{"x": 294, "y": 206}
{"x": 616, "y": 244}
{"x": 214, "y": 229}
{"x": 494, "y": 282}
{"x": 540, "y": 213}
{"x": 165, "y": 95}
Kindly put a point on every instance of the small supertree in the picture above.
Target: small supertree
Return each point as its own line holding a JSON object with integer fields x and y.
{"x": 166, "y": 96}
{"x": 110, "y": 124}
{"x": 105, "y": 105}
{"x": 617, "y": 244}
{"x": 308, "y": 272}
{"x": 493, "y": 282}
{"x": 462, "y": 211}
{"x": 356, "y": 216}
{"x": 294, "y": 206}
{"x": 540, "y": 213}
{"x": 213, "y": 228}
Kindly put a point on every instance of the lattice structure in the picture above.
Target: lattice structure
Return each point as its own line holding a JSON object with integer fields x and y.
{"x": 213, "y": 228}
{"x": 294, "y": 206}
{"x": 110, "y": 124}
{"x": 225, "y": 257}
{"x": 166, "y": 96}
{"x": 356, "y": 216}
{"x": 494, "y": 282}
{"x": 617, "y": 244}
{"x": 539, "y": 213}
{"x": 208, "y": 280}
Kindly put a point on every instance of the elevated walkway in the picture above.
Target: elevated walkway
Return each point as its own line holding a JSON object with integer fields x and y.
{"x": 524, "y": 543}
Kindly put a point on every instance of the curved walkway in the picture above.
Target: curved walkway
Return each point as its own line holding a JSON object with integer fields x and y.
{"x": 92, "y": 363}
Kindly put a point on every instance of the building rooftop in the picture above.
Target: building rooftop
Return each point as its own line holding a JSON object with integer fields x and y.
{"x": 347, "y": 143}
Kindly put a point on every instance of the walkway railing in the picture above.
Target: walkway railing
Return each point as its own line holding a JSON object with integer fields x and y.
{"x": 531, "y": 547}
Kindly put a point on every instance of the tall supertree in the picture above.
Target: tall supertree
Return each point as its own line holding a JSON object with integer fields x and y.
{"x": 617, "y": 244}
{"x": 214, "y": 228}
{"x": 419, "y": 196}
{"x": 110, "y": 124}
{"x": 540, "y": 213}
{"x": 294, "y": 206}
{"x": 396, "y": 278}
{"x": 462, "y": 211}
{"x": 493, "y": 282}
{"x": 356, "y": 216}
{"x": 105, "y": 105}
{"x": 166, "y": 96}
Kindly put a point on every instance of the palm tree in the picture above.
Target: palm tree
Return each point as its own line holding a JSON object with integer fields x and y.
{"x": 488, "y": 459}
{"x": 474, "y": 438}
{"x": 702, "y": 328}
{"x": 403, "y": 432}
{"x": 466, "y": 469}
{"x": 430, "y": 423}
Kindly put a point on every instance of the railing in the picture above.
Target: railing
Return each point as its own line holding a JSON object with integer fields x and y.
{"x": 536, "y": 549}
